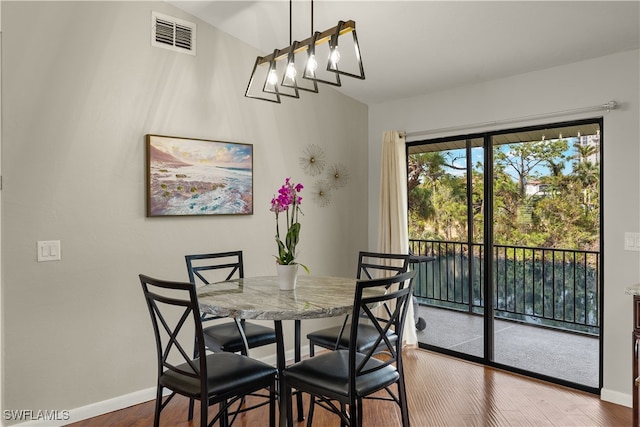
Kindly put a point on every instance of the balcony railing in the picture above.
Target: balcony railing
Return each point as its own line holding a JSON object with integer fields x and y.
{"x": 557, "y": 288}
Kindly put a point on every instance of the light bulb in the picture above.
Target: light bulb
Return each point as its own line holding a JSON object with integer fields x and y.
{"x": 291, "y": 71}
{"x": 272, "y": 79}
{"x": 335, "y": 56}
{"x": 312, "y": 64}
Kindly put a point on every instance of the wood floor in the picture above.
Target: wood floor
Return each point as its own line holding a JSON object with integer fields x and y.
{"x": 442, "y": 392}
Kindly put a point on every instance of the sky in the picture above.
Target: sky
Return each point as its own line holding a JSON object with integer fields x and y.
{"x": 478, "y": 153}
{"x": 215, "y": 153}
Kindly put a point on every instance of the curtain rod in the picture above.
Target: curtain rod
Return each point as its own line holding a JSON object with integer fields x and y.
{"x": 611, "y": 105}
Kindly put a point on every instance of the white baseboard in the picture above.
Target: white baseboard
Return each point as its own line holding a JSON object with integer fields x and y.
{"x": 94, "y": 409}
{"x": 616, "y": 397}
{"x": 119, "y": 402}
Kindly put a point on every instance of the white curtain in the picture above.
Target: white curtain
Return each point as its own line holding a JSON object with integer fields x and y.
{"x": 393, "y": 233}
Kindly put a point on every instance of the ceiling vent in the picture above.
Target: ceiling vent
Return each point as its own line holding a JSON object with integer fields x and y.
{"x": 172, "y": 33}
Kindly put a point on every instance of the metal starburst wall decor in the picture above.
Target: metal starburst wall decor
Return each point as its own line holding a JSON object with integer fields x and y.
{"x": 313, "y": 160}
{"x": 337, "y": 175}
{"x": 321, "y": 193}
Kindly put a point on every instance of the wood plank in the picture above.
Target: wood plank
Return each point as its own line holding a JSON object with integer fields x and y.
{"x": 443, "y": 391}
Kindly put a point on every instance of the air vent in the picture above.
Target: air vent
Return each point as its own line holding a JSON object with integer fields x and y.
{"x": 172, "y": 33}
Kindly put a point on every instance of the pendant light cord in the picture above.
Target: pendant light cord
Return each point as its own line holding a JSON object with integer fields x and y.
{"x": 291, "y": 21}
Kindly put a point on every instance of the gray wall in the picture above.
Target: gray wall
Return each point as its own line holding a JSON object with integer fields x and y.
{"x": 81, "y": 88}
{"x": 577, "y": 85}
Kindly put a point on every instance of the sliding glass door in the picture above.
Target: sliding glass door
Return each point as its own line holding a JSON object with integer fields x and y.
{"x": 511, "y": 223}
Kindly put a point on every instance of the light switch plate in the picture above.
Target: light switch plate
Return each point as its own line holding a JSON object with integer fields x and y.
{"x": 48, "y": 250}
{"x": 631, "y": 241}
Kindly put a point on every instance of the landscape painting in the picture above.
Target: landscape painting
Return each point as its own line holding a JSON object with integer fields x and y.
{"x": 198, "y": 177}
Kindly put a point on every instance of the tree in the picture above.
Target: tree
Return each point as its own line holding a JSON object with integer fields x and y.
{"x": 583, "y": 152}
{"x": 523, "y": 158}
{"x": 425, "y": 168}
{"x": 563, "y": 214}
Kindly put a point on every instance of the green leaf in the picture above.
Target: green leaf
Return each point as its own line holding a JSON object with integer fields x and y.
{"x": 293, "y": 236}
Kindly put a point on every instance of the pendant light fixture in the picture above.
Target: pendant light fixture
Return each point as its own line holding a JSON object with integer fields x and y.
{"x": 323, "y": 57}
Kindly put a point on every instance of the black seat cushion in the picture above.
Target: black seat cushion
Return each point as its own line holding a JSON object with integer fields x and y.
{"x": 367, "y": 335}
{"x": 227, "y": 337}
{"x": 227, "y": 373}
{"x": 327, "y": 374}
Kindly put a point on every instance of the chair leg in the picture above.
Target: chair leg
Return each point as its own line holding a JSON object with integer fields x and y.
{"x": 156, "y": 417}
{"x": 299, "y": 405}
{"x": 312, "y": 405}
{"x": 191, "y": 404}
{"x": 204, "y": 413}
{"x": 273, "y": 400}
{"x": 358, "y": 412}
{"x": 224, "y": 414}
{"x": 285, "y": 395}
{"x": 402, "y": 398}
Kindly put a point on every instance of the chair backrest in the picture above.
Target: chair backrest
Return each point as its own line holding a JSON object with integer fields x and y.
{"x": 215, "y": 267}
{"x": 174, "y": 311}
{"x": 396, "y": 300}
{"x": 375, "y": 265}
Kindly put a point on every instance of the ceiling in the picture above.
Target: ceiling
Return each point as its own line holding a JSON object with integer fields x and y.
{"x": 418, "y": 47}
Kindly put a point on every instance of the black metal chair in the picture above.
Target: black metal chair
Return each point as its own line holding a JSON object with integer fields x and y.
{"x": 226, "y": 336}
{"x": 340, "y": 380}
{"x": 371, "y": 265}
{"x": 222, "y": 378}
{"x": 236, "y": 336}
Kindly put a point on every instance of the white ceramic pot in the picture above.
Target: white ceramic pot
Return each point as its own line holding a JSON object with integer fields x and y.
{"x": 287, "y": 276}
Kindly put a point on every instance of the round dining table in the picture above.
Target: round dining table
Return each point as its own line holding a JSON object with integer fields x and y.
{"x": 260, "y": 298}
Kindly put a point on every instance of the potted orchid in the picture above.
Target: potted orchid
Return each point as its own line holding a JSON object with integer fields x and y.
{"x": 288, "y": 202}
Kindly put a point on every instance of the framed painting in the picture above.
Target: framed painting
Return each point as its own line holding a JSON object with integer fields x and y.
{"x": 198, "y": 177}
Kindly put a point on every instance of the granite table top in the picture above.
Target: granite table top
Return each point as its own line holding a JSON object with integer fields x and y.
{"x": 261, "y": 298}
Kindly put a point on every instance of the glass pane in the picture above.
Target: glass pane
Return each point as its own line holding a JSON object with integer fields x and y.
{"x": 546, "y": 219}
{"x": 447, "y": 287}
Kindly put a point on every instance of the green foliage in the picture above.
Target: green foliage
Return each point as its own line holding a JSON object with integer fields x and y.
{"x": 564, "y": 213}
{"x": 524, "y": 158}
{"x": 538, "y": 202}
{"x": 530, "y": 286}
{"x": 421, "y": 201}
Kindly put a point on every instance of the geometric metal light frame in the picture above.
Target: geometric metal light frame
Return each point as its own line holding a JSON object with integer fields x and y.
{"x": 269, "y": 81}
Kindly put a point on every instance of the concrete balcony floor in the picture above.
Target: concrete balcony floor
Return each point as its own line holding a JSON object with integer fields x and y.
{"x": 567, "y": 356}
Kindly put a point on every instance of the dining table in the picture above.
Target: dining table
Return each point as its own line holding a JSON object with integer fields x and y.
{"x": 260, "y": 298}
